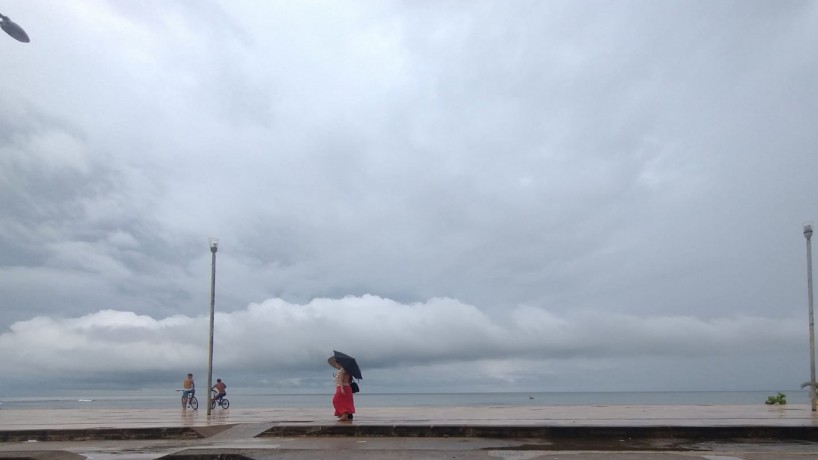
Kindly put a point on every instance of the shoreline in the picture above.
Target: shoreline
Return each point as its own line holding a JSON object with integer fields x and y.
{"x": 91, "y": 400}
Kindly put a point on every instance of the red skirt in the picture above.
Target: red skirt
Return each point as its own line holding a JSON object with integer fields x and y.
{"x": 343, "y": 403}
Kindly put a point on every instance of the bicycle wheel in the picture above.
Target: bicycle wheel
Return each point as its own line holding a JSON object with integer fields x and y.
{"x": 194, "y": 403}
{"x": 225, "y": 403}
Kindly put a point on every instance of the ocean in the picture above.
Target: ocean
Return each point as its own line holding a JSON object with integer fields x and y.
{"x": 363, "y": 399}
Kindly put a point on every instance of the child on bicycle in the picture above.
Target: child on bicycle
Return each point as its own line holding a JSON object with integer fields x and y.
{"x": 189, "y": 389}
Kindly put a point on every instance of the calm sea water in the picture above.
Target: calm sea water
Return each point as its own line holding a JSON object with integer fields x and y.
{"x": 363, "y": 399}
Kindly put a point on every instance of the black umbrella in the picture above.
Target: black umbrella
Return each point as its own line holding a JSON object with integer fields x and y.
{"x": 347, "y": 362}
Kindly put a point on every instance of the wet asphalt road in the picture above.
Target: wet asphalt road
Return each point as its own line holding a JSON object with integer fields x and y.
{"x": 409, "y": 448}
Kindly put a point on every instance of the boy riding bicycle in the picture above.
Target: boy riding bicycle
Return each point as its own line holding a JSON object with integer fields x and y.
{"x": 221, "y": 390}
{"x": 189, "y": 389}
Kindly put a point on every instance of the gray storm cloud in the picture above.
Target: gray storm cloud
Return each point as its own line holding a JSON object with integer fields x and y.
{"x": 532, "y": 194}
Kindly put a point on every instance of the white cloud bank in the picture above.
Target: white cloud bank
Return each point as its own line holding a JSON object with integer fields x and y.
{"x": 451, "y": 345}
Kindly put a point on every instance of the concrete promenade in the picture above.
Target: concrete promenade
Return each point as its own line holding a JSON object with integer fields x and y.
{"x": 35, "y": 430}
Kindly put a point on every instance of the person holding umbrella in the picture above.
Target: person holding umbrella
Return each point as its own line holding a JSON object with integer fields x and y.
{"x": 342, "y": 401}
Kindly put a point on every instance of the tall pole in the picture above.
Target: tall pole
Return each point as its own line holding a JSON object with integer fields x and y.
{"x": 214, "y": 246}
{"x": 808, "y": 236}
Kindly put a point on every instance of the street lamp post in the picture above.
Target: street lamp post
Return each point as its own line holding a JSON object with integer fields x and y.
{"x": 214, "y": 246}
{"x": 10, "y": 27}
{"x": 808, "y": 236}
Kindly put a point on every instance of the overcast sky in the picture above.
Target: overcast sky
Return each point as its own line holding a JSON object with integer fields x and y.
{"x": 480, "y": 195}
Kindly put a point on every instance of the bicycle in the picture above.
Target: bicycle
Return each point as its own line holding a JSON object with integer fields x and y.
{"x": 190, "y": 402}
{"x": 220, "y": 401}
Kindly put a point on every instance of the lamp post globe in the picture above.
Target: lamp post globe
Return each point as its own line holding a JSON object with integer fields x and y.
{"x": 15, "y": 31}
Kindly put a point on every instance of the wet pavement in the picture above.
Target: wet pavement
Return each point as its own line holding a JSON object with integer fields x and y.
{"x": 437, "y": 432}
{"x": 589, "y": 416}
